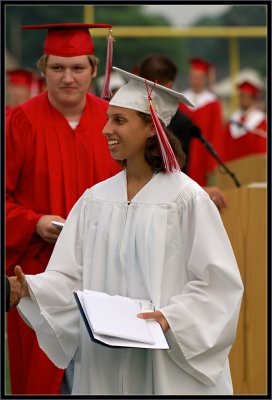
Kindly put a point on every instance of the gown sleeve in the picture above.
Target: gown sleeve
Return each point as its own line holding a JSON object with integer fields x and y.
{"x": 203, "y": 317}
{"x": 51, "y": 309}
{"x": 19, "y": 143}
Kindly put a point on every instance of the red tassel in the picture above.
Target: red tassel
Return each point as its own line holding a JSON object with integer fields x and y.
{"x": 106, "y": 93}
{"x": 168, "y": 156}
{"x": 169, "y": 159}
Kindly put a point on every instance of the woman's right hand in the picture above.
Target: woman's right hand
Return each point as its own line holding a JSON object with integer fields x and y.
{"x": 18, "y": 286}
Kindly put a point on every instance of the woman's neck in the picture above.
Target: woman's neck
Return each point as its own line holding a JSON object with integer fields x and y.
{"x": 138, "y": 171}
{"x": 137, "y": 178}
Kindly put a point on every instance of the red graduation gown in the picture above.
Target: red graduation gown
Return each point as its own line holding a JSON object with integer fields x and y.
{"x": 241, "y": 142}
{"x": 8, "y": 110}
{"x": 208, "y": 117}
{"x": 48, "y": 167}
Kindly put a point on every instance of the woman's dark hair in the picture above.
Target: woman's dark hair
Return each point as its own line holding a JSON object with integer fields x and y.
{"x": 152, "y": 151}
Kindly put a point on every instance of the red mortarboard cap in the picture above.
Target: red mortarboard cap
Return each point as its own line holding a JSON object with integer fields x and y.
{"x": 199, "y": 64}
{"x": 249, "y": 88}
{"x": 68, "y": 39}
{"x": 20, "y": 76}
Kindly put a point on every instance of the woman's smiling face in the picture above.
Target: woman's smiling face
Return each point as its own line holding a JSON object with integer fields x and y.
{"x": 126, "y": 133}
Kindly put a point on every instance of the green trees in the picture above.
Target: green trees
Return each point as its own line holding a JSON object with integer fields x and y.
{"x": 252, "y": 50}
{"x": 26, "y": 46}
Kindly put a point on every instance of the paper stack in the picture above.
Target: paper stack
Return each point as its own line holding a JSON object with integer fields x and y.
{"x": 113, "y": 321}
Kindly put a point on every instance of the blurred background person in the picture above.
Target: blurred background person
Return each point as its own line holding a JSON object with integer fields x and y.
{"x": 54, "y": 151}
{"x": 21, "y": 85}
{"x": 39, "y": 84}
{"x": 116, "y": 81}
{"x": 161, "y": 68}
{"x": 18, "y": 86}
{"x": 207, "y": 115}
{"x": 246, "y": 131}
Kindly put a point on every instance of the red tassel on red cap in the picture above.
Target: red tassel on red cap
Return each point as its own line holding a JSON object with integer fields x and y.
{"x": 106, "y": 93}
{"x": 169, "y": 159}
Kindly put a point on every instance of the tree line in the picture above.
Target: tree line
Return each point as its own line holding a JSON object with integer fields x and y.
{"x": 26, "y": 46}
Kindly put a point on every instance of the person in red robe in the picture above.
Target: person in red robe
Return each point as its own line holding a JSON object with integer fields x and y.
{"x": 207, "y": 115}
{"x": 246, "y": 131}
{"x": 55, "y": 150}
{"x": 19, "y": 86}
{"x": 22, "y": 84}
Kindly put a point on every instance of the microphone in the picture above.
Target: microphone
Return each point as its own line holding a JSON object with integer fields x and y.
{"x": 196, "y": 133}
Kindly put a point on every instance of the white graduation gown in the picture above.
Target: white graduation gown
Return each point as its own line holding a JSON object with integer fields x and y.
{"x": 168, "y": 245}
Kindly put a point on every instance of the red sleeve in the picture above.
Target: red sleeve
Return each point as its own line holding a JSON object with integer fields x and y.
{"x": 217, "y": 133}
{"x": 245, "y": 145}
{"x": 20, "y": 219}
{"x": 261, "y": 143}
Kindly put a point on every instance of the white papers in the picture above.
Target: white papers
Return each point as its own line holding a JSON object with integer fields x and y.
{"x": 58, "y": 224}
{"x": 113, "y": 321}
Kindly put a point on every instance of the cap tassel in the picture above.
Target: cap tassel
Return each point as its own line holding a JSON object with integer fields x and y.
{"x": 106, "y": 93}
{"x": 169, "y": 159}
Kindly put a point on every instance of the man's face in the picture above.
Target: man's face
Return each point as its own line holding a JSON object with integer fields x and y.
{"x": 68, "y": 79}
{"x": 197, "y": 80}
{"x": 246, "y": 100}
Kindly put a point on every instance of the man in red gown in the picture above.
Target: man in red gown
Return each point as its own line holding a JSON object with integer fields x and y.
{"x": 246, "y": 132}
{"x": 207, "y": 115}
{"x": 54, "y": 151}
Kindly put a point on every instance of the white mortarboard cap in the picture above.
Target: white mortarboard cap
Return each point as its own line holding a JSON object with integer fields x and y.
{"x": 133, "y": 95}
{"x": 161, "y": 103}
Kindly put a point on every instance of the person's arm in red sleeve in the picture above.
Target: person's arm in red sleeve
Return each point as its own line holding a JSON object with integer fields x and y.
{"x": 21, "y": 221}
{"x": 217, "y": 134}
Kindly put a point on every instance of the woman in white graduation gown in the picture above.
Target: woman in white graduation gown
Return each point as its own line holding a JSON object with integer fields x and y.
{"x": 150, "y": 232}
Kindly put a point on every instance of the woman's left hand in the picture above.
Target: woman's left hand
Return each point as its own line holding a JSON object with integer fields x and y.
{"x": 158, "y": 316}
